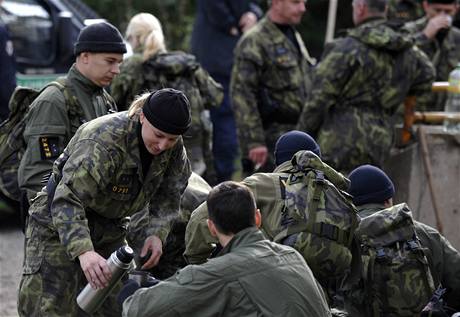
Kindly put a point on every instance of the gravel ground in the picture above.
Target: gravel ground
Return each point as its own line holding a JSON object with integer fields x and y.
{"x": 11, "y": 256}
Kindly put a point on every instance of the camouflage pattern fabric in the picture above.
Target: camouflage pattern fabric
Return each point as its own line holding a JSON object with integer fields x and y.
{"x": 319, "y": 220}
{"x": 99, "y": 183}
{"x": 396, "y": 279}
{"x": 269, "y": 85}
{"x": 405, "y": 10}
{"x": 444, "y": 53}
{"x": 172, "y": 258}
{"x": 444, "y": 262}
{"x": 357, "y": 88}
{"x": 180, "y": 71}
{"x": 50, "y": 126}
{"x": 270, "y": 195}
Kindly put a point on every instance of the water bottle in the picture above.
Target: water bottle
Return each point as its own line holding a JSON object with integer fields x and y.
{"x": 91, "y": 299}
{"x": 453, "y": 100}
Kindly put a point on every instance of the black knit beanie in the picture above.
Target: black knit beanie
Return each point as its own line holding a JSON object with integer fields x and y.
{"x": 369, "y": 184}
{"x": 100, "y": 37}
{"x": 292, "y": 142}
{"x": 168, "y": 110}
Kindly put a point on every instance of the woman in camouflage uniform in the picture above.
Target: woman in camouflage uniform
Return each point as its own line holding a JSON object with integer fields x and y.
{"x": 114, "y": 166}
{"x": 153, "y": 67}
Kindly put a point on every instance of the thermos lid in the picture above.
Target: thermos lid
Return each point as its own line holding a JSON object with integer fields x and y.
{"x": 125, "y": 254}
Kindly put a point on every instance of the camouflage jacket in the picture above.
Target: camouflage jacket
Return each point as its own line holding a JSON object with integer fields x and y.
{"x": 443, "y": 258}
{"x": 269, "y": 85}
{"x": 357, "y": 88}
{"x": 49, "y": 128}
{"x": 268, "y": 190}
{"x": 251, "y": 276}
{"x": 172, "y": 259}
{"x": 180, "y": 71}
{"x": 444, "y": 55}
{"x": 100, "y": 183}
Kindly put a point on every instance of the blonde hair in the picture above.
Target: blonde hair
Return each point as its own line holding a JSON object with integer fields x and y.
{"x": 136, "y": 106}
{"x": 147, "y": 31}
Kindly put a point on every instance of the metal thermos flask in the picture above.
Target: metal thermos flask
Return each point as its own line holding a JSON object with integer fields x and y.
{"x": 91, "y": 299}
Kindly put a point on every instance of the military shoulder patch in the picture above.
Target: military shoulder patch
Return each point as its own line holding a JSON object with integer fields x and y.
{"x": 49, "y": 147}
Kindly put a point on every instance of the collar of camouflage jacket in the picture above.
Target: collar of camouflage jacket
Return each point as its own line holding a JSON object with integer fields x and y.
{"x": 378, "y": 34}
{"x": 369, "y": 209}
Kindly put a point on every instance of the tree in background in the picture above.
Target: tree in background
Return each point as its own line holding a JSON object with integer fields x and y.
{"x": 177, "y": 18}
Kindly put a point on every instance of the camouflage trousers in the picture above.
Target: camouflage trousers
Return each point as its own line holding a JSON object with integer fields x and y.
{"x": 51, "y": 281}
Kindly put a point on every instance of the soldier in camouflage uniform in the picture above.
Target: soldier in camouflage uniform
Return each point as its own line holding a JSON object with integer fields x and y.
{"x": 172, "y": 259}
{"x": 251, "y": 276}
{"x": 435, "y": 35}
{"x": 51, "y": 122}
{"x": 269, "y": 192}
{"x": 270, "y": 82}
{"x": 404, "y": 10}
{"x": 373, "y": 191}
{"x": 152, "y": 67}
{"x": 361, "y": 81}
{"x": 113, "y": 167}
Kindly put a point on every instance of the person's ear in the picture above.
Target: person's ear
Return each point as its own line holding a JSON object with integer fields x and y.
{"x": 141, "y": 117}
{"x": 211, "y": 227}
{"x": 258, "y": 218}
{"x": 84, "y": 57}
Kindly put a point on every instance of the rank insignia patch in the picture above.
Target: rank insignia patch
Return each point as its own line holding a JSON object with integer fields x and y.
{"x": 49, "y": 147}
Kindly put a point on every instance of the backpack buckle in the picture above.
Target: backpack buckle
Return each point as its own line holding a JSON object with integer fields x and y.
{"x": 380, "y": 253}
{"x": 328, "y": 231}
{"x": 413, "y": 245}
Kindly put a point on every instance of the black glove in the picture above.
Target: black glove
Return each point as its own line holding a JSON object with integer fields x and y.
{"x": 130, "y": 286}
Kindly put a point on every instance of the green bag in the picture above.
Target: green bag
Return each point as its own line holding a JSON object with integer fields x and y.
{"x": 319, "y": 219}
{"x": 395, "y": 270}
{"x": 12, "y": 145}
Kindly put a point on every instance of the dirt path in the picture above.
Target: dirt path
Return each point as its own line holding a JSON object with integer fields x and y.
{"x": 11, "y": 255}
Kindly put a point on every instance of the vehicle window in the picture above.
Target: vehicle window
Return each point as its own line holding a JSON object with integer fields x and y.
{"x": 31, "y": 28}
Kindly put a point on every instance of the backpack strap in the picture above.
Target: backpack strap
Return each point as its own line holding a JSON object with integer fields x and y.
{"x": 71, "y": 101}
{"x": 318, "y": 228}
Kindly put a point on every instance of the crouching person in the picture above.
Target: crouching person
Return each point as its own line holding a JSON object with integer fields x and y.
{"x": 249, "y": 276}
{"x": 113, "y": 167}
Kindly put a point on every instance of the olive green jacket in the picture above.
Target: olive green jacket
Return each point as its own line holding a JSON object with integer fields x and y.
{"x": 267, "y": 190}
{"x": 251, "y": 276}
{"x": 49, "y": 127}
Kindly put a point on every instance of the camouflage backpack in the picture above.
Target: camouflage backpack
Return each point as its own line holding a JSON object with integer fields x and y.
{"x": 319, "y": 219}
{"x": 178, "y": 70}
{"x": 12, "y": 145}
{"x": 396, "y": 278}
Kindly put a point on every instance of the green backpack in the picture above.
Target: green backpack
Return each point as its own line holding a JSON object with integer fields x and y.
{"x": 12, "y": 145}
{"x": 319, "y": 219}
{"x": 396, "y": 278}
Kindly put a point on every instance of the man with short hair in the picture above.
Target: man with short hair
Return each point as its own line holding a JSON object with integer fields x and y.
{"x": 361, "y": 81}
{"x": 270, "y": 193}
{"x": 270, "y": 82}
{"x": 439, "y": 39}
{"x": 249, "y": 276}
{"x": 373, "y": 191}
{"x": 56, "y": 114}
